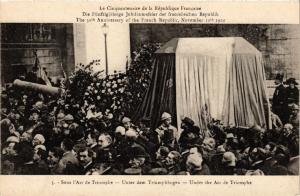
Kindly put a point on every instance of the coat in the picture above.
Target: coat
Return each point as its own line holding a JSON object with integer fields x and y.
{"x": 28, "y": 169}
{"x": 294, "y": 120}
{"x": 167, "y": 135}
{"x": 279, "y": 96}
{"x": 85, "y": 169}
{"x": 68, "y": 158}
{"x": 280, "y": 102}
{"x": 292, "y": 95}
{"x": 204, "y": 171}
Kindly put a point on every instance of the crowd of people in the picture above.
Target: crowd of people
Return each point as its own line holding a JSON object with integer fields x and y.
{"x": 40, "y": 135}
{"x": 87, "y": 130}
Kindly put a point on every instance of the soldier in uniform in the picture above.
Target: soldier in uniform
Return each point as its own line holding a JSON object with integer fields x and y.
{"x": 167, "y": 134}
{"x": 279, "y": 99}
{"x": 294, "y": 116}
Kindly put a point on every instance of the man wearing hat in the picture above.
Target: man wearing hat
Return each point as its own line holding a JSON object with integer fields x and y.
{"x": 160, "y": 159}
{"x": 37, "y": 126}
{"x": 139, "y": 158}
{"x": 257, "y": 157}
{"x": 294, "y": 115}
{"x": 9, "y": 149}
{"x": 279, "y": 98}
{"x": 189, "y": 135}
{"x": 125, "y": 149}
{"x": 38, "y": 139}
{"x": 147, "y": 136}
{"x": 228, "y": 163}
{"x": 292, "y": 92}
{"x": 166, "y": 132}
{"x": 68, "y": 119}
{"x": 231, "y": 142}
{"x": 289, "y": 138}
{"x": 195, "y": 165}
{"x": 126, "y": 123}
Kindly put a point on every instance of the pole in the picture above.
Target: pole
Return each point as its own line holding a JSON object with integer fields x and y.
{"x": 106, "y": 63}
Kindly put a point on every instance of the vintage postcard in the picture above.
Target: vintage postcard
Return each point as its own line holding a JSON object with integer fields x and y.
{"x": 149, "y": 98}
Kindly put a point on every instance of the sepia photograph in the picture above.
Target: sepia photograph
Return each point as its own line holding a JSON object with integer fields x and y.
{"x": 149, "y": 99}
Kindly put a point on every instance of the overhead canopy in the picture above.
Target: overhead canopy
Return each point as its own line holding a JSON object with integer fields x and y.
{"x": 200, "y": 77}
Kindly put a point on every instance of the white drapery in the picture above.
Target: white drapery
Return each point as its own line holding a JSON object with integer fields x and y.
{"x": 222, "y": 77}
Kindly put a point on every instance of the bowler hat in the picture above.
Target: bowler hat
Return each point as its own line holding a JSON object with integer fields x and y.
{"x": 163, "y": 150}
{"x": 139, "y": 152}
{"x": 291, "y": 81}
{"x": 188, "y": 121}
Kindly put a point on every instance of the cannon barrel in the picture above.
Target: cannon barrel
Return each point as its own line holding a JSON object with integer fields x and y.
{"x": 38, "y": 87}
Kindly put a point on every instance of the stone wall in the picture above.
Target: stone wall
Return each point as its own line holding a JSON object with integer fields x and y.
{"x": 53, "y": 43}
{"x": 279, "y": 44}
